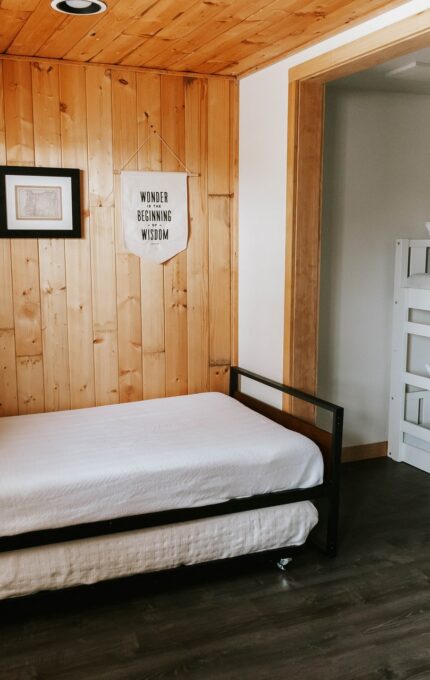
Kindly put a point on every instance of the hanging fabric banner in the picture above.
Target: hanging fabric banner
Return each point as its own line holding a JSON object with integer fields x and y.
{"x": 154, "y": 213}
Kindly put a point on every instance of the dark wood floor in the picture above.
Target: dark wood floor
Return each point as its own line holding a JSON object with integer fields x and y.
{"x": 363, "y": 616}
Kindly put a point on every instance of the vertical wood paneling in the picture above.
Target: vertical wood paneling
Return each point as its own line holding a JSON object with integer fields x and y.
{"x": 219, "y": 184}
{"x": 196, "y": 103}
{"x": 52, "y": 265}
{"x": 219, "y": 281}
{"x": 26, "y": 297}
{"x": 6, "y": 298}
{"x": 219, "y": 137}
{"x": 83, "y": 322}
{"x": 25, "y": 259}
{"x": 8, "y": 389}
{"x": 31, "y": 395}
{"x": 18, "y": 112}
{"x": 104, "y": 305}
{"x": 102, "y": 234}
{"x": 46, "y": 114}
{"x": 125, "y": 144}
{"x": 99, "y": 124}
{"x": 77, "y": 251}
{"x": 54, "y": 324}
{"x": 152, "y": 274}
{"x": 219, "y": 378}
{"x": 19, "y": 136}
{"x": 175, "y": 270}
{"x": 234, "y": 218}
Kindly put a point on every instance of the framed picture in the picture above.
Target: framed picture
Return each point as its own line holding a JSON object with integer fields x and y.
{"x": 39, "y": 202}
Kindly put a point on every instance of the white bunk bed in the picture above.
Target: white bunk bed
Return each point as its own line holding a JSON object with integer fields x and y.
{"x": 409, "y": 419}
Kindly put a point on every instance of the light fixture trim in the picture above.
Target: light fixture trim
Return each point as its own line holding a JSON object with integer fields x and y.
{"x": 413, "y": 71}
{"x": 90, "y": 8}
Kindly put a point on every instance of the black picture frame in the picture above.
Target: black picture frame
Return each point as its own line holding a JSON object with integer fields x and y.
{"x": 71, "y": 220}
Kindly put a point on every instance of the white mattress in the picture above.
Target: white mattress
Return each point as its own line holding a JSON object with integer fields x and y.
{"x": 91, "y": 560}
{"x": 59, "y": 469}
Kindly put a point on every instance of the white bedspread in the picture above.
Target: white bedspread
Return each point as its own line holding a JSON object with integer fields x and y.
{"x": 59, "y": 469}
{"x": 97, "y": 559}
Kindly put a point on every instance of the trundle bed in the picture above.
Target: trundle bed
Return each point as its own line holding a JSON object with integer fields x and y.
{"x": 106, "y": 492}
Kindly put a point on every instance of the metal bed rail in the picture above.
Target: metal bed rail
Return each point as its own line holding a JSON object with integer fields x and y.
{"x": 331, "y": 487}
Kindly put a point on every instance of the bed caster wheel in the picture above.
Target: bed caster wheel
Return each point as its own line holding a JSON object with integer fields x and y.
{"x": 283, "y": 563}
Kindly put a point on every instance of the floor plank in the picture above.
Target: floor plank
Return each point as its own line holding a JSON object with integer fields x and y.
{"x": 362, "y": 616}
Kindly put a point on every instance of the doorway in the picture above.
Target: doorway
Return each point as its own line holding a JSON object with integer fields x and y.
{"x": 376, "y": 181}
{"x": 305, "y": 141}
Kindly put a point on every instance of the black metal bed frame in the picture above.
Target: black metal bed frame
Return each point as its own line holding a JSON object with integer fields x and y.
{"x": 329, "y": 489}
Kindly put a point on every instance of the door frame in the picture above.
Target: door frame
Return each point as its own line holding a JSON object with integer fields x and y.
{"x": 304, "y": 183}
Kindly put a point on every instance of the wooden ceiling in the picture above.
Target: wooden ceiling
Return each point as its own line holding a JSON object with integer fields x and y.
{"x": 228, "y": 37}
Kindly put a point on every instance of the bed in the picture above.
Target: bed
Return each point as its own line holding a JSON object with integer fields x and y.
{"x": 409, "y": 413}
{"x": 100, "y": 493}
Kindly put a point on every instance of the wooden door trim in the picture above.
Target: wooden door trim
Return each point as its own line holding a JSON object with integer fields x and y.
{"x": 306, "y": 106}
{"x": 304, "y": 182}
{"x": 393, "y": 41}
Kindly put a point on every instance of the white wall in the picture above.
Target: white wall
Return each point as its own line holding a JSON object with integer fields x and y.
{"x": 376, "y": 189}
{"x": 262, "y": 199}
{"x": 262, "y": 187}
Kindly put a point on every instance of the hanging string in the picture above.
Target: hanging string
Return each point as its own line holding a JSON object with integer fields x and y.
{"x": 163, "y": 141}
{"x": 117, "y": 172}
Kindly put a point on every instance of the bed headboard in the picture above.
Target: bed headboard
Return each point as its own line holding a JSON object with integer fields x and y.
{"x": 330, "y": 443}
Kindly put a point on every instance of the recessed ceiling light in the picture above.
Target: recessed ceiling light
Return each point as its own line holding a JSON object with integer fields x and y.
{"x": 83, "y": 7}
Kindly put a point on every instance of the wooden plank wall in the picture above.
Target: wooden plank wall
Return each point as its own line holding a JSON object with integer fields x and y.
{"x": 83, "y": 322}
